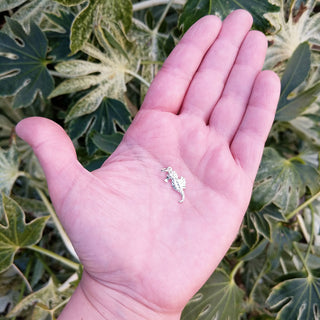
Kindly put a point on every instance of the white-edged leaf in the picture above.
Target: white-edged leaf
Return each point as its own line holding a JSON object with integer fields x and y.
{"x": 16, "y": 233}
{"x": 220, "y": 299}
{"x": 291, "y": 32}
{"x": 107, "y": 76}
{"x": 45, "y": 302}
{"x": 9, "y": 168}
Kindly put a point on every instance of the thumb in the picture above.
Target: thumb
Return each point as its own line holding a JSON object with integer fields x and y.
{"x": 56, "y": 154}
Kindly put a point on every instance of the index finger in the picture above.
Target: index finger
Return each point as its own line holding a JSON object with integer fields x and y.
{"x": 169, "y": 87}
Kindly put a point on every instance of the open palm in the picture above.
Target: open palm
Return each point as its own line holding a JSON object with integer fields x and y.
{"x": 206, "y": 115}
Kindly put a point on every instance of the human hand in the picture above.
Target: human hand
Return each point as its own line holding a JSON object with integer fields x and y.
{"x": 207, "y": 115}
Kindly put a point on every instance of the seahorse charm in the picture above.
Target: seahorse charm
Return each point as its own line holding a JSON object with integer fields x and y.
{"x": 178, "y": 184}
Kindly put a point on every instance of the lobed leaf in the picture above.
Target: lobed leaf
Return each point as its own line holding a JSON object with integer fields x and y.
{"x": 297, "y": 298}
{"x": 45, "y": 302}
{"x": 32, "y": 11}
{"x": 282, "y": 182}
{"x": 299, "y": 27}
{"x": 9, "y": 169}
{"x": 106, "y": 143}
{"x": 23, "y": 71}
{"x": 59, "y": 41}
{"x": 220, "y": 298}
{"x": 195, "y": 9}
{"x": 106, "y": 78}
{"x": 116, "y": 11}
{"x": 16, "y": 233}
{"x": 103, "y": 121}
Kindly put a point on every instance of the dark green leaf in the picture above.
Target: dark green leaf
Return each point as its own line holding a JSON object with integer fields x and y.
{"x": 23, "y": 71}
{"x": 107, "y": 143}
{"x": 263, "y": 220}
{"x": 59, "y": 42}
{"x": 195, "y": 9}
{"x": 220, "y": 298}
{"x": 16, "y": 233}
{"x": 296, "y": 72}
{"x": 282, "y": 238}
{"x": 111, "y": 113}
{"x": 282, "y": 182}
{"x": 297, "y": 299}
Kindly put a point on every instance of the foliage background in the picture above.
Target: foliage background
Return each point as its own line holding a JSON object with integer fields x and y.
{"x": 87, "y": 65}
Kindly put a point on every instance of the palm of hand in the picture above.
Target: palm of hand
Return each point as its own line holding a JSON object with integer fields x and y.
{"x": 125, "y": 222}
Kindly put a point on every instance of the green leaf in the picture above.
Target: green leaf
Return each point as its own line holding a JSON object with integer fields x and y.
{"x": 106, "y": 78}
{"x": 6, "y": 5}
{"x": 9, "y": 169}
{"x": 23, "y": 71}
{"x": 295, "y": 73}
{"x": 107, "y": 143}
{"x": 111, "y": 113}
{"x": 59, "y": 42}
{"x": 220, "y": 298}
{"x": 16, "y": 233}
{"x": 282, "y": 182}
{"x": 195, "y": 9}
{"x": 264, "y": 219}
{"x": 291, "y": 29}
{"x": 115, "y": 11}
{"x": 32, "y": 11}
{"x": 45, "y": 302}
{"x": 297, "y": 298}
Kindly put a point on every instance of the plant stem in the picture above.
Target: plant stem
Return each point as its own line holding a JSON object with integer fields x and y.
{"x": 58, "y": 225}
{"x": 53, "y": 255}
{"x": 236, "y": 269}
{"x": 303, "y": 260}
{"x": 152, "y": 3}
{"x": 312, "y": 233}
{"x": 137, "y": 76}
{"x": 302, "y": 206}
{"x": 257, "y": 282}
{"x": 163, "y": 16}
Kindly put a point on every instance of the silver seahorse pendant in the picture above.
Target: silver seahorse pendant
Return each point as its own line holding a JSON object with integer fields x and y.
{"x": 178, "y": 184}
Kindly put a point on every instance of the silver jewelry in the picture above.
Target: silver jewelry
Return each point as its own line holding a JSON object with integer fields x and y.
{"x": 177, "y": 184}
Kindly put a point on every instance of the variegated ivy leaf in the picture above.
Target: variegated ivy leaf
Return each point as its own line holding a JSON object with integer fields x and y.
{"x": 30, "y": 11}
{"x": 16, "y": 234}
{"x": 45, "y": 302}
{"x": 220, "y": 298}
{"x": 9, "y": 168}
{"x": 291, "y": 32}
{"x": 106, "y": 77}
{"x": 115, "y": 11}
{"x": 283, "y": 181}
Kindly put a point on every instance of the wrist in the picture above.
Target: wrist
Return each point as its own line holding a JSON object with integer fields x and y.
{"x": 94, "y": 301}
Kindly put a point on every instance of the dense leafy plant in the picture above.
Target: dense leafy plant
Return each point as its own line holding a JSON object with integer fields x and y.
{"x": 87, "y": 65}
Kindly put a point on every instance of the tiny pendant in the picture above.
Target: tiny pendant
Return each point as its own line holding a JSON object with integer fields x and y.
{"x": 178, "y": 184}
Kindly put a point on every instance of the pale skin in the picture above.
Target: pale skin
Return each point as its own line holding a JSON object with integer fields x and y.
{"x": 207, "y": 115}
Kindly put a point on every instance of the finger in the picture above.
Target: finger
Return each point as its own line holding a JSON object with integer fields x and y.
{"x": 232, "y": 104}
{"x": 56, "y": 154}
{"x": 168, "y": 89}
{"x": 247, "y": 145}
{"x": 208, "y": 83}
